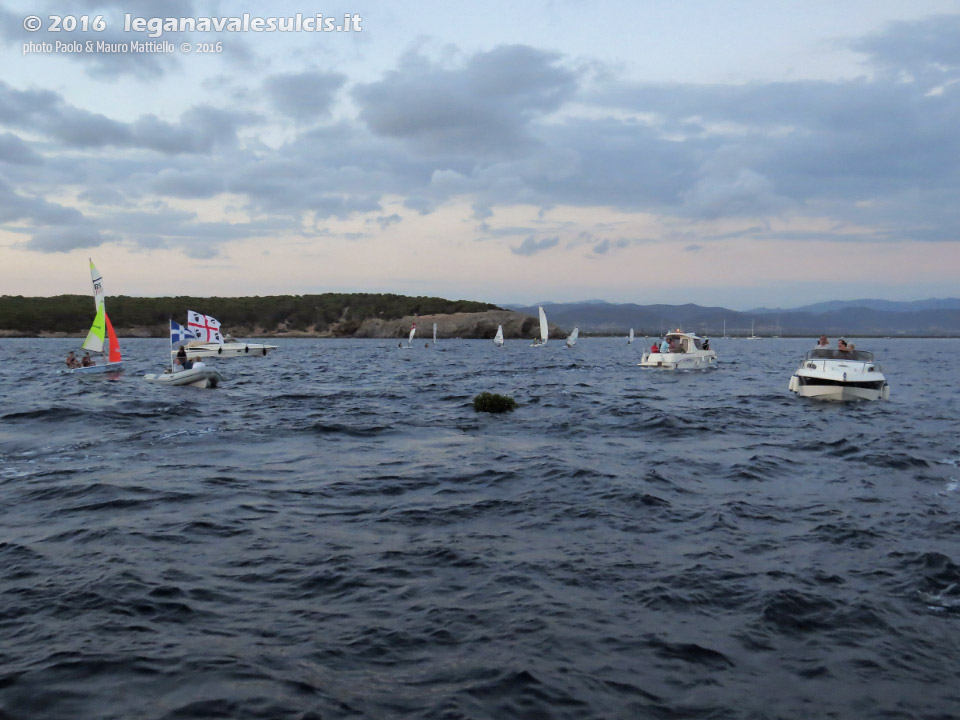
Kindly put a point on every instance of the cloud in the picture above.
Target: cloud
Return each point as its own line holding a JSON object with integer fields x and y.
{"x": 532, "y": 246}
{"x": 53, "y": 240}
{"x": 486, "y": 104}
{"x": 15, "y": 151}
{"x": 306, "y": 96}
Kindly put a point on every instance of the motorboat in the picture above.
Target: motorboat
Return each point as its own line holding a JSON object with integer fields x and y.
{"x": 840, "y": 375}
{"x": 200, "y": 375}
{"x": 684, "y": 351}
{"x": 229, "y": 348}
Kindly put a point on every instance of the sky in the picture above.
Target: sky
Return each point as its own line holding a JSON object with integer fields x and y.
{"x": 738, "y": 153}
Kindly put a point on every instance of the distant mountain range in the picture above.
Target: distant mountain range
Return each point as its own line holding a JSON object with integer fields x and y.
{"x": 922, "y": 318}
{"x": 884, "y": 305}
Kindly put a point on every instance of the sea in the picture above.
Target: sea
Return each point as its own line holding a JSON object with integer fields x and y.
{"x": 334, "y": 532}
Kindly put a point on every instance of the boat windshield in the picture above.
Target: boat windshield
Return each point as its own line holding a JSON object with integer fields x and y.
{"x": 833, "y": 354}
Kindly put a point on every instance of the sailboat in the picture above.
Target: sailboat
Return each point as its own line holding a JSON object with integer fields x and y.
{"x": 753, "y": 335}
{"x": 572, "y": 339}
{"x": 413, "y": 331}
{"x": 498, "y": 338}
{"x": 434, "y": 334}
{"x": 630, "y": 338}
{"x": 542, "y": 340}
{"x": 101, "y": 338}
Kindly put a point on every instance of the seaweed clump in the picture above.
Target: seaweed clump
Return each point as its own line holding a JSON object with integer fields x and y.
{"x": 493, "y": 403}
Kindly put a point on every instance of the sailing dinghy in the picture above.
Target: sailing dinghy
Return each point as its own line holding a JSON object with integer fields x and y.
{"x": 101, "y": 339}
{"x": 572, "y": 339}
{"x": 542, "y": 340}
{"x": 630, "y": 338}
{"x": 498, "y": 338}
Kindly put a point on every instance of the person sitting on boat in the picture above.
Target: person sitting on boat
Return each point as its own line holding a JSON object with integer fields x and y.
{"x": 87, "y": 361}
{"x": 655, "y": 348}
{"x": 842, "y": 345}
{"x": 72, "y": 361}
{"x": 823, "y": 342}
{"x": 672, "y": 346}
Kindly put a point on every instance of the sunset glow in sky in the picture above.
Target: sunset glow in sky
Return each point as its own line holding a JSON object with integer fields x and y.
{"x": 737, "y": 153}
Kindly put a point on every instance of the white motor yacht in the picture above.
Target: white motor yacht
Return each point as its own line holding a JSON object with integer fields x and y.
{"x": 229, "y": 348}
{"x": 840, "y": 375}
{"x": 685, "y": 351}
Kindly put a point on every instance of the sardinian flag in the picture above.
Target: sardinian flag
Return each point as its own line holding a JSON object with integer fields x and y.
{"x": 179, "y": 334}
{"x": 204, "y": 327}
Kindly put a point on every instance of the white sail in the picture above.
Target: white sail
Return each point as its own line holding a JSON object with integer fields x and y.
{"x": 630, "y": 339}
{"x": 543, "y": 325}
{"x": 97, "y": 279}
{"x": 498, "y": 338}
{"x": 413, "y": 331}
{"x": 434, "y": 333}
{"x": 572, "y": 339}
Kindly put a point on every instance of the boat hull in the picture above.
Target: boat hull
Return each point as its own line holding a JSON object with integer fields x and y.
{"x": 234, "y": 349}
{"x": 817, "y": 389}
{"x": 113, "y": 367}
{"x": 204, "y": 377}
{"x": 699, "y": 360}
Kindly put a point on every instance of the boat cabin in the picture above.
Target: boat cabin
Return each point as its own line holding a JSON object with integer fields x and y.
{"x": 686, "y": 342}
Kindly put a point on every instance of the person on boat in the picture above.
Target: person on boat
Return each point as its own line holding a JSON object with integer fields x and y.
{"x": 72, "y": 361}
{"x": 823, "y": 342}
{"x": 672, "y": 346}
{"x": 87, "y": 361}
{"x": 655, "y": 348}
{"x": 706, "y": 344}
{"x": 182, "y": 359}
{"x": 842, "y": 345}
{"x": 664, "y": 346}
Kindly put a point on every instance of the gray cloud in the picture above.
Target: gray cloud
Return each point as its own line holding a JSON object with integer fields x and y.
{"x": 485, "y": 104}
{"x": 532, "y": 246}
{"x": 306, "y": 96}
{"x": 15, "y": 151}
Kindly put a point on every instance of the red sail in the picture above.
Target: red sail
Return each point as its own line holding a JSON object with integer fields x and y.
{"x": 114, "y": 345}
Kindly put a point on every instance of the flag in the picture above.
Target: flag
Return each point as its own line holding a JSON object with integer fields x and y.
{"x": 179, "y": 334}
{"x": 204, "y": 327}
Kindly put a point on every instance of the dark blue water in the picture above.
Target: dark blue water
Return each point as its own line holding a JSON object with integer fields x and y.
{"x": 334, "y": 533}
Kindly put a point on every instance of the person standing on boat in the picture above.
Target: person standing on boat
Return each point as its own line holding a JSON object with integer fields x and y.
{"x": 655, "y": 348}
{"x": 664, "y": 346}
{"x": 182, "y": 359}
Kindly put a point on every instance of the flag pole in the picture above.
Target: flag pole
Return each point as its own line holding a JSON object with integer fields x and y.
{"x": 171, "y": 346}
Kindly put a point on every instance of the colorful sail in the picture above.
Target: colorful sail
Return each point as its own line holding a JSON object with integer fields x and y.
{"x": 94, "y": 341}
{"x": 97, "y": 279}
{"x": 114, "y": 352}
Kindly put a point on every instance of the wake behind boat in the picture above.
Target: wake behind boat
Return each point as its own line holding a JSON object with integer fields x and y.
{"x": 681, "y": 351}
{"x": 839, "y": 375}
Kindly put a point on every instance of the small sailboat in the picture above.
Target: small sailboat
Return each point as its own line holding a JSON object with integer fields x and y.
{"x": 498, "y": 338}
{"x": 101, "y": 338}
{"x": 434, "y": 334}
{"x": 413, "y": 331}
{"x": 542, "y": 340}
{"x": 572, "y": 338}
{"x": 630, "y": 337}
{"x": 753, "y": 335}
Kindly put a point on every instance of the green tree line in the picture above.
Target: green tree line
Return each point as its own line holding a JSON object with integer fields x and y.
{"x": 74, "y": 313}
